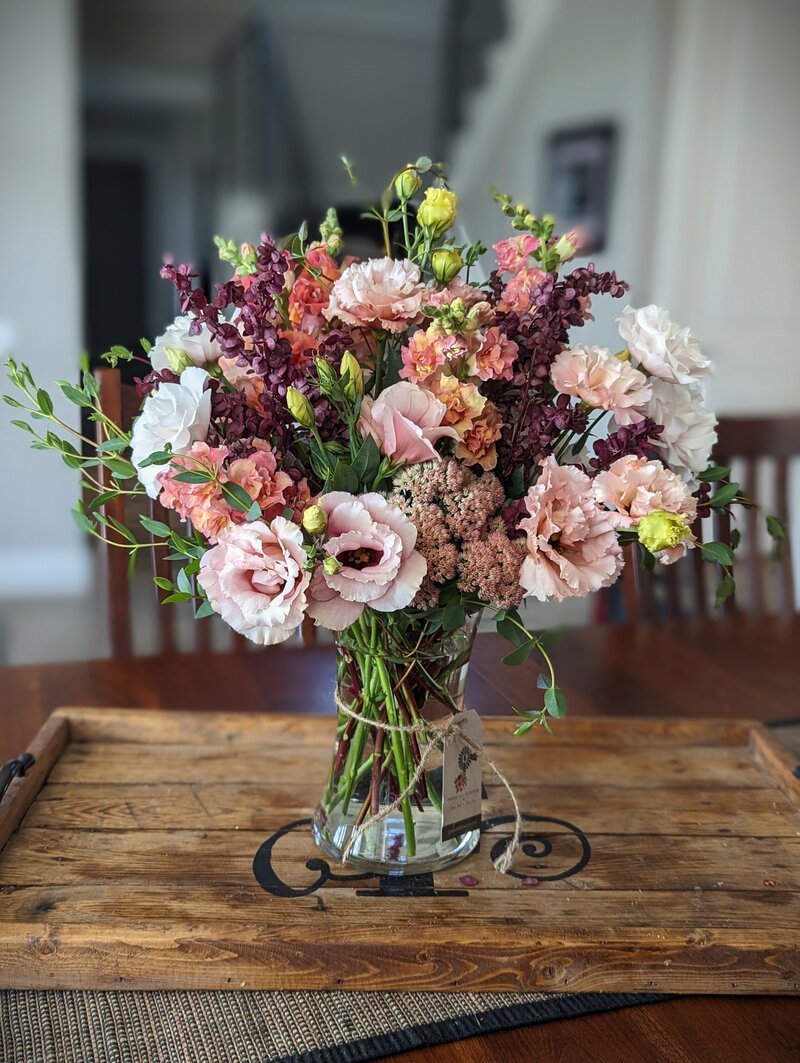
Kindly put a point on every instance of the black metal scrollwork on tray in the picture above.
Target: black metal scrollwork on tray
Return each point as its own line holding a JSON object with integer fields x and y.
{"x": 535, "y": 844}
{"x": 13, "y": 769}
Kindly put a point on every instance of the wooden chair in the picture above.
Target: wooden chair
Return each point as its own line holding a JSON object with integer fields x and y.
{"x": 763, "y": 584}
{"x": 121, "y": 403}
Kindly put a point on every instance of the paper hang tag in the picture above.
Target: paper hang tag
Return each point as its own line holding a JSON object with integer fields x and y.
{"x": 461, "y": 779}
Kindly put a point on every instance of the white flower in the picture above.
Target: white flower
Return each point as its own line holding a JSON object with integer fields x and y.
{"x": 175, "y": 349}
{"x": 662, "y": 347}
{"x": 178, "y": 414}
{"x": 689, "y": 428}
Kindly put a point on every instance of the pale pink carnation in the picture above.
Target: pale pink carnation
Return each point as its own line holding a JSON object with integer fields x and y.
{"x": 378, "y": 566}
{"x": 255, "y": 579}
{"x": 518, "y": 293}
{"x": 406, "y": 422}
{"x": 634, "y": 487}
{"x": 512, "y": 254}
{"x": 601, "y": 380}
{"x": 495, "y": 356}
{"x": 381, "y": 293}
{"x": 572, "y": 548}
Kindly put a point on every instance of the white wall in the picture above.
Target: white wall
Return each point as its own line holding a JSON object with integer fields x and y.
{"x": 41, "y": 551}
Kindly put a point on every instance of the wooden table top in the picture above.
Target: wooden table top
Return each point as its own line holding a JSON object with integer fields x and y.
{"x": 736, "y": 667}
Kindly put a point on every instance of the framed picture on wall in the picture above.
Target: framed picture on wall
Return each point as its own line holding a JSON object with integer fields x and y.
{"x": 579, "y": 178}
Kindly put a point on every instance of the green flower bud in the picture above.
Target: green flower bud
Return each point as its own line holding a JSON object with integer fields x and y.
{"x": 445, "y": 264}
{"x": 407, "y": 183}
{"x": 299, "y": 407}
{"x": 660, "y": 530}
{"x": 326, "y": 375}
{"x": 565, "y": 246}
{"x": 331, "y": 565}
{"x": 177, "y": 359}
{"x": 315, "y": 520}
{"x": 355, "y": 383}
{"x": 438, "y": 210}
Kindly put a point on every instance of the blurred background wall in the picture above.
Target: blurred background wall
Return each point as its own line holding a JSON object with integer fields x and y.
{"x": 134, "y": 128}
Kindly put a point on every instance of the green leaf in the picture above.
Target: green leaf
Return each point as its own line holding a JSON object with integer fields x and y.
{"x": 254, "y": 512}
{"x": 102, "y": 498}
{"x": 44, "y": 402}
{"x": 162, "y": 582}
{"x": 183, "y": 583}
{"x": 714, "y": 472}
{"x": 516, "y": 483}
{"x": 74, "y": 394}
{"x": 725, "y": 589}
{"x": 113, "y": 445}
{"x": 344, "y": 478}
{"x": 194, "y": 476}
{"x": 736, "y": 538}
{"x": 82, "y": 520}
{"x": 555, "y": 702}
{"x": 204, "y": 609}
{"x": 126, "y": 534}
{"x": 521, "y": 653}
{"x": 511, "y": 632}
{"x": 120, "y": 468}
{"x": 11, "y": 401}
{"x": 523, "y": 728}
{"x": 423, "y": 164}
{"x": 24, "y": 426}
{"x": 146, "y": 345}
{"x": 155, "y": 527}
{"x": 719, "y": 552}
{"x": 776, "y": 528}
{"x": 453, "y": 617}
{"x": 179, "y": 596}
{"x": 543, "y": 681}
{"x": 367, "y": 461}
{"x": 238, "y": 497}
{"x": 161, "y": 457}
{"x": 724, "y": 496}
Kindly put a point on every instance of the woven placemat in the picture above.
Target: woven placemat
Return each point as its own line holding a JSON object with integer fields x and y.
{"x": 48, "y": 1026}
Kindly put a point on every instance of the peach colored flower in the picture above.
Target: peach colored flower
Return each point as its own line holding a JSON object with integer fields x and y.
{"x": 244, "y": 379}
{"x": 381, "y": 293}
{"x": 634, "y": 487}
{"x": 478, "y": 445}
{"x": 429, "y": 349}
{"x": 405, "y": 421}
{"x": 202, "y": 503}
{"x": 463, "y": 402}
{"x": 572, "y": 546}
{"x": 518, "y": 292}
{"x": 512, "y": 254}
{"x": 311, "y": 291}
{"x": 601, "y": 380}
{"x": 255, "y": 579}
{"x": 371, "y": 560}
{"x": 456, "y": 289}
{"x": 260, "y": 477}
{"x": 495, "y": 356}
{"x": 303, "y": 345}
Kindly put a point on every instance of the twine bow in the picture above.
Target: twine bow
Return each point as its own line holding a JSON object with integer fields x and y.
{"x": 447, "y": 727}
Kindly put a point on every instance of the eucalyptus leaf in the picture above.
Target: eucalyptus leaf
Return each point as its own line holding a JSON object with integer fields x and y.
{"x": 521, "y": 653}
{"x": 555, "y": 702}
{"x": 719, "y": 552}
{"x": 724, "y": 496}
{"x": 713, "y": 473}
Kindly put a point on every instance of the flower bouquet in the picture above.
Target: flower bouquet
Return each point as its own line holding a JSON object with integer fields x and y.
{"x": 386, "y": 448}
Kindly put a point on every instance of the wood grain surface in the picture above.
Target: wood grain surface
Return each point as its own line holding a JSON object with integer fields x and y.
{"x": 93, "y": 900}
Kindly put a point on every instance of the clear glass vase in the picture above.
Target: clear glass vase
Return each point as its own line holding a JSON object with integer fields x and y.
{"x": 391, "y": 669}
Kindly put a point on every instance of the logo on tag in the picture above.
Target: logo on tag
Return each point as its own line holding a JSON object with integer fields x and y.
{"x": 461, "y": 778}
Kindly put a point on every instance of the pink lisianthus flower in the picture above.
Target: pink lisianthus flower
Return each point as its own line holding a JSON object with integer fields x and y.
{"x": 406, "y": 422}
{"x": 518, "y": 293}
{"x": 370, "y": 560}
{"x": 456, "y": 289}
{"x": 602, "y": 381}
{"x": 512, "y": 254}
{"x": 634, "y": 487}
{"x": 572, "y": 545}
{"x": 381, "y": 293}
{"x": 494, "y": 357}
{"x": 255, "y": 579}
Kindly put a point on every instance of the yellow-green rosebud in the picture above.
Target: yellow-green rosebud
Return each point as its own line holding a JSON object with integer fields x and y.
{"x": 445, "y": 264}
{"x": 299, "y": 407}
{"x": 315, "y": 520}
{"x": 177, "y": 359}
{"x": 407, "y": 183}
{"x": 331, "y": 565}
{"x": 660, "y": 530}
{"x": 566, "y": 246}
{"x": 355, "y": 382}
{"x": 438, "y": 210}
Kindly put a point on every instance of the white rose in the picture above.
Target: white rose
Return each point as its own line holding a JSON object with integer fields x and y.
{"x": 658, "y": 344}
{"x": 689, "y": 428}
{"x": 175, "y": 349}
{"x": 178, "y": 414}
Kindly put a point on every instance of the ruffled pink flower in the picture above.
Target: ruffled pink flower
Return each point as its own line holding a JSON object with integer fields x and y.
{"x": 427, "y": 350}
{"x": 260, "y": 477}
{"x": 202, "y": 503}
{"x": 633, "y": 487}
{"x": 512, "y": 254}
{"x": 381, "y": 293}
{"x": 371, "y": 560}
{"x": 456, "y": 289}
{"x": 601, "y": 380}
{"x": 244, "y": 379}
{"x": 311, "y": 291}
{"x": 495, "y": 356}
{"x": 478, "y": 445}
{"x": 518, "y": 293}
{"x": 405, "y": 421}
{"x": 462, "y": 401}
{"x": 572, "y": 545}
{"x": 255, "y": 579}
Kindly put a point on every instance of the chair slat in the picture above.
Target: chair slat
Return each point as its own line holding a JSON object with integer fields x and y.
{"x": 786, "y": 582}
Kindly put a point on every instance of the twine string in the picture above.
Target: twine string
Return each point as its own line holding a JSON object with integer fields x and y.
{"x": 443, "y": 729}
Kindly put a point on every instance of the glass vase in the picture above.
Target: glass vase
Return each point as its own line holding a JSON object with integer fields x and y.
{"x": 391, "y": 669}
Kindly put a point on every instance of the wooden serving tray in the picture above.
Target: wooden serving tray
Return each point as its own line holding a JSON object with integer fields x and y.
{"x": 172, "y": 850}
